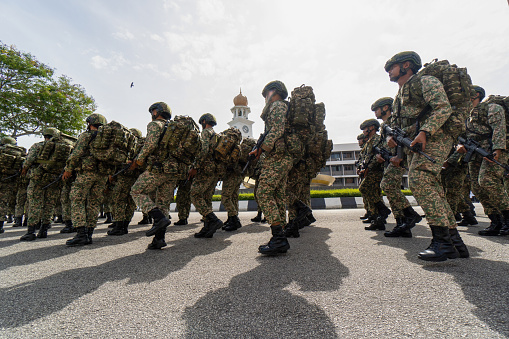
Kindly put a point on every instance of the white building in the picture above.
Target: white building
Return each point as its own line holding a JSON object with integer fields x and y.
{"x": 240, "y": 112}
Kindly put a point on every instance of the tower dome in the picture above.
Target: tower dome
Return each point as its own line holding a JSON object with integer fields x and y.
{"x": 240, "y": 100}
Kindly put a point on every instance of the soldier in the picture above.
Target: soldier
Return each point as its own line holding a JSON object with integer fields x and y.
{"x": 183, "y": 201}
{"x": 424, "y": 175}
{"x": 367, "y": 217}
{"x": 45, "y": 162}
{"x": 205, "y": 173}
{"x": 122, "y": 204}
{"x": 406, "y": 217}
{"x": 465, "y": 206}
{"x": 65, "y": 200}
{"x": 487, "y": 125}
{"x": 256, "y": 176}
{"x": 86, "y": 191}
{"x": 372, "y": 173}
{"x": 232, "y": 180}
{"x": 154, "y": 188}
{"x": 275, "y": 167}
{"x": 21, "y": 201}
{"x": 7, "y": 185}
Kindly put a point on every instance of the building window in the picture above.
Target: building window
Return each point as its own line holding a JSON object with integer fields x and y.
{"x": 335, "y": 156}
{"x": 347, "y": 155}
{"x": 348, "y": 167}
{"x": 349, "y": 181}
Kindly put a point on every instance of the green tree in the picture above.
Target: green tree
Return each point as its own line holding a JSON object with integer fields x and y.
{"x": 32, "y": 98}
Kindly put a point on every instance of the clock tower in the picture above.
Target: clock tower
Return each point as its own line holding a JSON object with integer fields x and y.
{"x": 240, "y": 119}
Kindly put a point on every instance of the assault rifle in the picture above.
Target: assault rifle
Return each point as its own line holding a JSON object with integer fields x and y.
{"x": 386, "y": 155}
{"x": 54, "y": 181}
{"x": 402, "y": 140}
{"x": 473, "y": 146}
{"x": 251, "y": 157}
{"x": 11, "y": 177}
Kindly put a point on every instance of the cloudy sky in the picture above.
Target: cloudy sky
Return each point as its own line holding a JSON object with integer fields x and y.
{"x": 195, "y": 55}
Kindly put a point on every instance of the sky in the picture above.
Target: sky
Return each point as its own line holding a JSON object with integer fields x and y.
{"x": 196, "y": 55}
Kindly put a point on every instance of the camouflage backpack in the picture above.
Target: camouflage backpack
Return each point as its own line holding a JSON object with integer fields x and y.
{"x": 112, "y": 144}
{"x": 53, "y": 155}
{"x": 227, "y": 146}
{"x": 246, "y": 146}
{"x": 458, "y": 87}
{"x": 181, "y": 139}
{"x": 502, "y": 101}
{"x": 11, "y": 159}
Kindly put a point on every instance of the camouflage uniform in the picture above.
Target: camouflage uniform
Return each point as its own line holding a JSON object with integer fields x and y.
{"x": 183, "y": 199}
{"x": 276, "y": 165}
{"x": 7, "y": 191}
{"x": 21, "y": 197}
{"x": 298, "y": 188}
{"x": 232, "y": 180}
{"x": 453, "y": 178}
{"x": 370, "y": 185}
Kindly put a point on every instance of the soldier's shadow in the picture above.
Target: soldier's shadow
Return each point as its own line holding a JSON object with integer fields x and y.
{"x": 37, "y": 299}
{"x": 484, "y": 282}
{"x": 259, "y": 304}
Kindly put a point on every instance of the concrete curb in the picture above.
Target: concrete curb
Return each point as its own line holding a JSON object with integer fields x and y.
{"x": 316, "y": 204}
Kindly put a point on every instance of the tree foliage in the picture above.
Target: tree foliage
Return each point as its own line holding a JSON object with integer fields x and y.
{"x": 31, "y": 97}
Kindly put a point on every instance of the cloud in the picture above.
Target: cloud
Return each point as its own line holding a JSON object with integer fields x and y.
{"x": 123, "y": 35}
{"x": 99, "y": 62}
{"x": 210, "y": 11}
{"x": 112, "y": 63}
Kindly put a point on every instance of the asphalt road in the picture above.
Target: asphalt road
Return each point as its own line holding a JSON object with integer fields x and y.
{"x": 337, "y": 280}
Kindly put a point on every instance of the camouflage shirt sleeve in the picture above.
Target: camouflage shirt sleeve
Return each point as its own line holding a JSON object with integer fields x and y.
{"x": 80, "y": 150}
{"x": 275, "y": 123}
{"x": 154, "y": 130}
{"x": 434, "y": 94}
{"x": 32, "y": 154}
{"x": 205, "y": 138}
{"x": 370, "y": 154}
{"x": 496, "y": 120}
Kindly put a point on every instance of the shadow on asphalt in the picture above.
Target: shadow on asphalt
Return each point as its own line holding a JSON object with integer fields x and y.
{"x": 257, "y": 303}
{"x": 484, "y": 282}
{"x": 37, "y": 299}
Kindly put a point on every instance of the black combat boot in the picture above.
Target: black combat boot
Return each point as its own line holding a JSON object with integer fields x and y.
{"x": 457, "y": 216}
{"x": 441, "y": 247}
{"x": 378, "y": 224}
{"x": 399, "y": 230}
{"x": 160, "y": 221}
{"x": 411, "y": 218}
{"x": 258, "y": 217}
{"x": 59, "y": 220}
{"x": 118, "y": 228}
{"x": 494, "y": 228}
{"x": 277, "y": 244}
{"x": 458, "y": 243}
{"x": 504, "y": 230}
{"x": 109, "y": 219}
{"x": 263, "y": 221}
{"x": 80, "y": 239}
{"x": 468, "y": 219}
{"x": 212, "y": 224}
{"x": 9, "y": 219}
{"x": 158, "y": 242}
{"x": 90, "y": 233}
{"x": 303, "y": 210}
{"x": 227, "y": 222}
{"x": 68, "y": 227}
{"x": 2, "y": 227}
{"x": 25, "y": 221}
{"x": 370, "y": 218}
{"x": 383, "y": 211}
{"x": 181, "y": 222}
{"x": 366, "y": 215}
{"x": 311, "y": 219}
{"x": 145, "y": 220}
{"x": 30, "y": 235}
{"x": 291, "y": 230}
{"x": 38, "y": 225}
{"x": 126, "y": 226}
{"x": 43, "y": 232}
{"x": 102, "y": 216}
{"x": 18, "y": 222}
{"x": 234, "y": 224}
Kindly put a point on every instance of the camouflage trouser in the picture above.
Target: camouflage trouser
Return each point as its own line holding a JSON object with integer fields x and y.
{"x": 107, "y": 202}
{"x": 258, "y": 208}
{"x": 230, "y": 192}
{"x": 486, "y": 182}
{"x": 123, "y": 205}
{"x": 370, "y": 189}
{"x": 453, "y": 179}
{"x": 297, "y": 188}
{"x": 41, "y": 203}
{"x": 202, "y": 190}
{"x": 58, "y": 207}
{"x": 391, "y": 185}
{"x": 425, "y": 181}
{"x": 183, "y": 199}
{"x": 12, "y": 203}
{"x": 65, "y": 199}
{"x": 86, "y": 197}
{"x": 465, "y": 203}
{"x": 7, "y": 191}
{"x": 154, "y": 189}
{"x": 21, "y": 198}
{"x": 271, "y": 190}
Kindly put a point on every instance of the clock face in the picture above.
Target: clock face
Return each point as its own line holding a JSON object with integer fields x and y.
{"x": 245, "y": 129}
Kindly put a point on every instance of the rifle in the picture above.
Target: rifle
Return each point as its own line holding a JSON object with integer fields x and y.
{"x": 473, "y": 146}
{"x": 54, "y": 181}
{"x": 251, "y": 157}
{"x": 385, "y": 154}
{"x": 402, "y": 140}
{"x": 11, "y": 177}
{"x": 122, "y": 170}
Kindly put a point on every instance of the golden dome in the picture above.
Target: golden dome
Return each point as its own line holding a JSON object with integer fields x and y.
{"x": 240, "y": 100}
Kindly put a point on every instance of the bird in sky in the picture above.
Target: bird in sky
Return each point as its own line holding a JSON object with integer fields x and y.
{"x": 132, "y": 84}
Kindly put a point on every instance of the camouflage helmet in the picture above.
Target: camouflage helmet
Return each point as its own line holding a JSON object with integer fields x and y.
{"x": 402, "y": 57}
{"x": 278, "y": 86}
{"x": 481, "y": 91}
{"x": 370, "y": 122}
{"x": 8, "y": 141}
{"x": 51, "y": 131}
{"x": 361, "y": 136}
{"x": 382, "y": 102}
{"x": 162, "y": 108}
{"x": 136, "y": 132}
{"x": 208, "y": 118}
{"x": 96, "y": 119}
